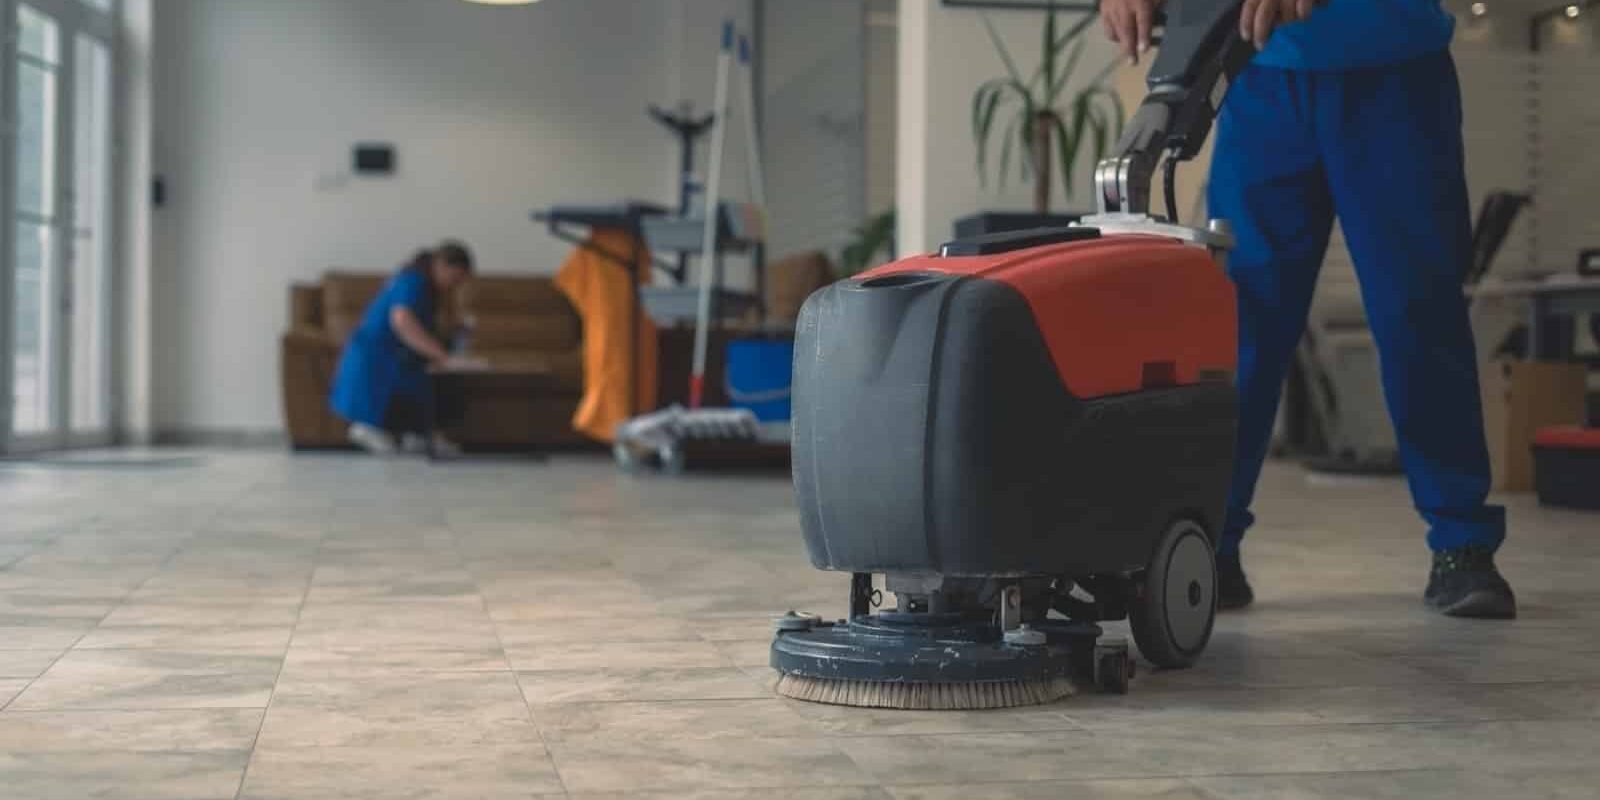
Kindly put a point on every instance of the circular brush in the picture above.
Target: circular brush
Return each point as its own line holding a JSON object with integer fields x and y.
{"x": 925, "y": 696}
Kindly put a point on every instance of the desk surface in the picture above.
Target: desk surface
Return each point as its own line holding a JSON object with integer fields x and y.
{"x": 491, "y": 370}
{"x": 1560, "y": 283}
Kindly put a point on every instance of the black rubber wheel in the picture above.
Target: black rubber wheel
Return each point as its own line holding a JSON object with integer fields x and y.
{"x": 1175, "y": 604}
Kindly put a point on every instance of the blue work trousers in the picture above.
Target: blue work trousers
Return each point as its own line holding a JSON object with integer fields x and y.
{"x": 1380, "y": 149}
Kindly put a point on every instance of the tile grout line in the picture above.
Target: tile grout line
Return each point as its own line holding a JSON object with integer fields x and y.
{"x": 305, "y": 595}
{"x": 177, "y": 548}
{"x": 516, "y": 679}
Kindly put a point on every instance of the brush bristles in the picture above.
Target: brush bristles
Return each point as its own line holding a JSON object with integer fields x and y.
{"x": 924, "y": 696}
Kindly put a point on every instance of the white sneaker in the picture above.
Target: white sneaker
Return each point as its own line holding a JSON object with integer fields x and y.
{"x": 372, "y": 440}
{"x": 412, "y": 444}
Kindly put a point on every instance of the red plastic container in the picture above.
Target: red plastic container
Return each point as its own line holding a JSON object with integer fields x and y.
{"x": 1567, "y": 466}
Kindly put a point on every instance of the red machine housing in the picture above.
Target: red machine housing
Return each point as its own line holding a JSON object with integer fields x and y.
{"x": 1044, "y": 403}
{"x": 1118, "y": 314}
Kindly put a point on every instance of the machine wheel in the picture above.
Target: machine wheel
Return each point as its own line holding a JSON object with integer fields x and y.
{"x": 1176, "y": 599}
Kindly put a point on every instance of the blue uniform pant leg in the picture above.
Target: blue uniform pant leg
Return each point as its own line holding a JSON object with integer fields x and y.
{"x": 1391, "y": 143}
{"x": 1268, "y": 182}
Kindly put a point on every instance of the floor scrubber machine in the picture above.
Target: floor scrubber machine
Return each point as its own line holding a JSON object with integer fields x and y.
{"x": 1026, "y": 423}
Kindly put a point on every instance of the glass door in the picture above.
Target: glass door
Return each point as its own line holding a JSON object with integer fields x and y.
{"x": 35, "y": 310}
{"x": 57, "y": 370}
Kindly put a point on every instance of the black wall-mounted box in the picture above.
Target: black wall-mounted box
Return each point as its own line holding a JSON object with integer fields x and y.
{"x": 374, "y": 159}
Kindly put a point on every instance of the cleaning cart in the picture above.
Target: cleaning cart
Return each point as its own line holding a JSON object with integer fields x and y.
{"x": 677, "y": 436}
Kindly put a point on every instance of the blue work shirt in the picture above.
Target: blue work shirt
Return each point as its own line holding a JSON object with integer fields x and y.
{"x": 1351, "y": 34}
{"x": 376, "y": 366}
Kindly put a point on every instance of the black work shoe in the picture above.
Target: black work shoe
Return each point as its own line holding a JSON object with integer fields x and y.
{"x": 1233, "y": 590}
{"x": 1465, "y": 583}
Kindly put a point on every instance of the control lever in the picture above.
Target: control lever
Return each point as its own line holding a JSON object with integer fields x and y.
{"x": 1201, "y": 52}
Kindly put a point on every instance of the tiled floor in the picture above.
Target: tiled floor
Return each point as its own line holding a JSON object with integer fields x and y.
{"x": 263, "y": 626}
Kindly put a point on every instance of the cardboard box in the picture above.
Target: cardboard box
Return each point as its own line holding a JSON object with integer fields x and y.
{"x": 1519, "y": 398}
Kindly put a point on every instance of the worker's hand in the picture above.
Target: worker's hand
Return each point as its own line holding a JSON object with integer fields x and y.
{"x": 1128, "y": 24}
{"x": 1258, "y": 18}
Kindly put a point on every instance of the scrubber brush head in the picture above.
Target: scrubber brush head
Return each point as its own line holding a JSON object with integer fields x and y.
{"x": 933, "y": 662}
{"x": 925, "y": 696}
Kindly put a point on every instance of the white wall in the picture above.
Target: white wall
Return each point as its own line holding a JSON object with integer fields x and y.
{"x": 495, "y": 111}
{"x": 944, "y": 55}
{"x": 882, "y": 90}
{"x": 135, "y": 350}
{"x": 813, "y": 111}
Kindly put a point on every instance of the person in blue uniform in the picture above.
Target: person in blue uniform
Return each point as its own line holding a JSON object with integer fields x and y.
{"x": 381, "y": 383}
{"x": 1352, "y": 109}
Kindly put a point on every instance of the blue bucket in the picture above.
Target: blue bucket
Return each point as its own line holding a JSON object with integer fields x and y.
{"x": 758, "y": 375}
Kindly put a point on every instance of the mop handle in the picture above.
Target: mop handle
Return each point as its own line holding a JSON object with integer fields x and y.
{"x": 708, "y": 239}
{"x": 752, "y": 139}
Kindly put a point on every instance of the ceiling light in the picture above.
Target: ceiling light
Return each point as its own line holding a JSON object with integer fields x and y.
{"x": 1573, "y": 11}
{"x": 1480, "y": 9}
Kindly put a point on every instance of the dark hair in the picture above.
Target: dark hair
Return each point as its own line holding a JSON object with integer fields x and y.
{"x": 451, "y": 251}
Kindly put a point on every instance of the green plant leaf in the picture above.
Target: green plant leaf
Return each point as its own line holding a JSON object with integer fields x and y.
{"x": 986, "y": 101}
{"x": 1067, "y": 152}
{"x": 874, "y": 236}
{"x": 1066, "y": 72}
{"x": 1077, "y": 28}
{"x": 1047, "y": 62}
{"x": 1025, "y": 137}
{"x": 1005, "y": 55}
{"x": 1006, "y": 141}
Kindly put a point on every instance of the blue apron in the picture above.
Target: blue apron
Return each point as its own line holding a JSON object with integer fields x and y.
{"x": 376, "y": 366}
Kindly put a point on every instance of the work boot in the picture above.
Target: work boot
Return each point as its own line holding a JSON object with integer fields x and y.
{"x": 1233, "y": 589}
{"x": 1465, "y": 583}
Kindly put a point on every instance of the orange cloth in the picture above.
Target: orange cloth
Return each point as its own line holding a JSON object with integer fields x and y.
{"x": 598, "y": 288}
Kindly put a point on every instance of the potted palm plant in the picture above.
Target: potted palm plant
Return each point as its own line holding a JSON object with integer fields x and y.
{"x": 1041, "y": 117}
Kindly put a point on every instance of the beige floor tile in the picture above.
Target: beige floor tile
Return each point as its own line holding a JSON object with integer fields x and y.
{"x": 442, "y": 625}
{"x": 746, "y": 652}
{"x": 397, "y": 709}
{"x": 612, "y": 656}
{"x": 1147, "y": 789}
{"x": 1438, "y": 702}
{"x": 668, "y": 765}
{"x": 412, "y": 589}
{"x": 182, "y": 731}
{"x": 41, "y": 636}
{"x": 844, "y": 721}
{"x": 148, "y": 679}
{"x": 1272, "y": 671}
{"x": 230, "y": 638}
{"x": 307, "y": 662}
{"x": 1410, "y": 785}
{"x": 641, "y": 686}
{"x": 26, "y": 663}
{"x": 499, "y": 772}
{"x": 630, "y": 628}
{"x": 1013, "y": 757}
{"x": 10, "y": 688}
{"x": 765, "y": 793}
{"x": 670, "y": 720}
{"x": 121, "y": 776}
{"x": 268, "y": 613}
